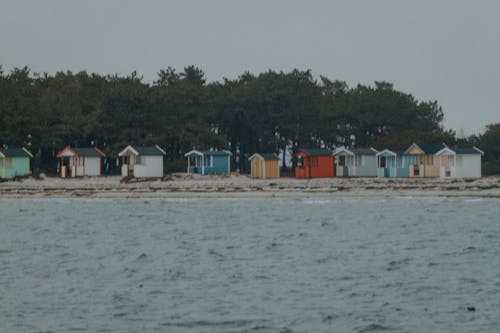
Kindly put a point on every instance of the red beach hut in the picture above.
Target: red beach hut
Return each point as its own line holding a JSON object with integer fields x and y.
{"x": 314, "y": 163}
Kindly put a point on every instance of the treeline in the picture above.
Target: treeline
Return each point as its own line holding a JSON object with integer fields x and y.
{"x": 270, "y": 112}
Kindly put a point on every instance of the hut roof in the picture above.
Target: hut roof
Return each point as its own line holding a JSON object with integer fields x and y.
{"x": 143, "y": 151}
{"x": 428, "y": 148}
{"x": 315, "y": 151}
{"x": 15, "y": 152}
{"x": 364, "y": 151}
{"x": 265, "y": 156}
{"x": 469, "y": 151}
{"x": 213, "y": 153}
{"x": 89, "y": 152}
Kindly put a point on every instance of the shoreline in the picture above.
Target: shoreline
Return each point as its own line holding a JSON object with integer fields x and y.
{"x": 241, "y": 186}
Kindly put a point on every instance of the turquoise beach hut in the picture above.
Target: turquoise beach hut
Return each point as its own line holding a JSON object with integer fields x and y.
{"x": 208, "y": 162}
{"x": 393, "y": 165}
{"x": 14, "y": 162}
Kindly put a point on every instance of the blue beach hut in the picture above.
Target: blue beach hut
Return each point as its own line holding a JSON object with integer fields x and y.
{"x": 387, "y": 163}
{"x": 14, "y": 162}
{"x": 393, "y": 165}
{"x": 208, "y": 162}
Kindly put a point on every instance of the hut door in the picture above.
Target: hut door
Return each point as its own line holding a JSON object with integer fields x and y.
{"x": 65, "y": 170}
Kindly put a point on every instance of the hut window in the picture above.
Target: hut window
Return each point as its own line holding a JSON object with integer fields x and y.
{"x": 342, "y": 160}
{"x": 300, "y": 161}
{"x": 382, "y": 161}
{"x": 139, "y": 160}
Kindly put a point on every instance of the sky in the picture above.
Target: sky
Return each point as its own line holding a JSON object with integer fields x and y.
{"x": 444, "y": 50}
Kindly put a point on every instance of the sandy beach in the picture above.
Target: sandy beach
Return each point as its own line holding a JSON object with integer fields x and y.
{"x": 184, "y": 185}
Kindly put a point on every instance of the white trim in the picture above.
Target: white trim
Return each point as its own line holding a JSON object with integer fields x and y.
{"x": 159, "y": 148}
{"x": 255, "y": 155}
{"x": 390, "y": 152}
{"x": 479, "y": 150}
{"x": 445, "y": 151}
{"x": 31, "y": 155}
{"x": 128, "y": 148}
{"x": 412, "y": 146}
{"x": 342, "y": 150}
{"x": 195, "y": 152}
{"x": 202, "y": 164}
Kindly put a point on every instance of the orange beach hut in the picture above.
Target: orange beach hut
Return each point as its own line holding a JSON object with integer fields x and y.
{"x": 314, "y": 163}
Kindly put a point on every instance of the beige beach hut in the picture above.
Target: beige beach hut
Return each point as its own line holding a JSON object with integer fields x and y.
{"x": 264, "y": 166}
{"x": 427, "y": 163}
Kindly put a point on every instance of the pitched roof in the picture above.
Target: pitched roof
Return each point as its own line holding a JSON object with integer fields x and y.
{"x": 429, "y": 148}
{"x": 432, "y": 148}
{"x": 78, "y": 151}
{"x": 217, "y": 153}
{"x": 266, "y": 156}
{"x": 469, "y": 151}
{"x": 88, "y": 152}
{"x": 206, "y": 152}
{"x": 364, "y": 151}
{"x": 143, "y": 151}
{"x": 342, "y": 151}
{"x": 315, "y": 152}
{"x": 149, "y": 150}
{"x": 15, "y": 152}
{"x": 387, "y": 152}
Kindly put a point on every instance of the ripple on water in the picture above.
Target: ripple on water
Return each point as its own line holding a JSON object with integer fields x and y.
{"x": 239, "y": 265}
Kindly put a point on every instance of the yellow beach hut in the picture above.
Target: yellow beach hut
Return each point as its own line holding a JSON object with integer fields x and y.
{"x": 264, "y": 166}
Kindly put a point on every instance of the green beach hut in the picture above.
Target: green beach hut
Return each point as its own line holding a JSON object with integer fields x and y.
{"x": 14, "y": 162}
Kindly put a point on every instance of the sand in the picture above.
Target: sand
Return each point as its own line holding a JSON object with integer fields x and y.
{"x": 184, "y": 185}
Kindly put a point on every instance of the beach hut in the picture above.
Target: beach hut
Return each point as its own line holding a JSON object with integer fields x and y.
{"x": 14, "y": 162}
{"x": 446, "y": 159}
{"x": 80, "y": 162}
{"x": 393, "y": 164}
{"x": 208, "y": 162}
{"x": 142, "y": 162}
{"x": 426, "y": 163}
{"x": 344, "y": 162}
{"x": 387, "y": 163}
{"x": 468, "y": 162}
{"x": 314, "y": 163}
{"x": 357, "y": 162}
{"x": 264, "y": 166}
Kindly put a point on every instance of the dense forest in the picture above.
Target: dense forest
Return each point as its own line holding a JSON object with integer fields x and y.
{"x": 270, "y": 112}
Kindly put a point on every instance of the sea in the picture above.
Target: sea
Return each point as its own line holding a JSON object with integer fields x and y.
{"x": 396, "y": 264}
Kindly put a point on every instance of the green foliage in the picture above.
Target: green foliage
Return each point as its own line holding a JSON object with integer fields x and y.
{"x": 490, "y": 144}
{"x": 271, "y": 112}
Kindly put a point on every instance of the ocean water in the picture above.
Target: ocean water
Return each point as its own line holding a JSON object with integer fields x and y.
{"x": 250, "y": 265}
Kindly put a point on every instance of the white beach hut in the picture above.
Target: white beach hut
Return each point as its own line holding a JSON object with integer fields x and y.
{"x": 142, "y": 162}
{"x": 468, "y": 162}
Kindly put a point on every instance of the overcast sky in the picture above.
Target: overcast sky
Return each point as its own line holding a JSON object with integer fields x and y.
{"x": 444, "y": 50}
